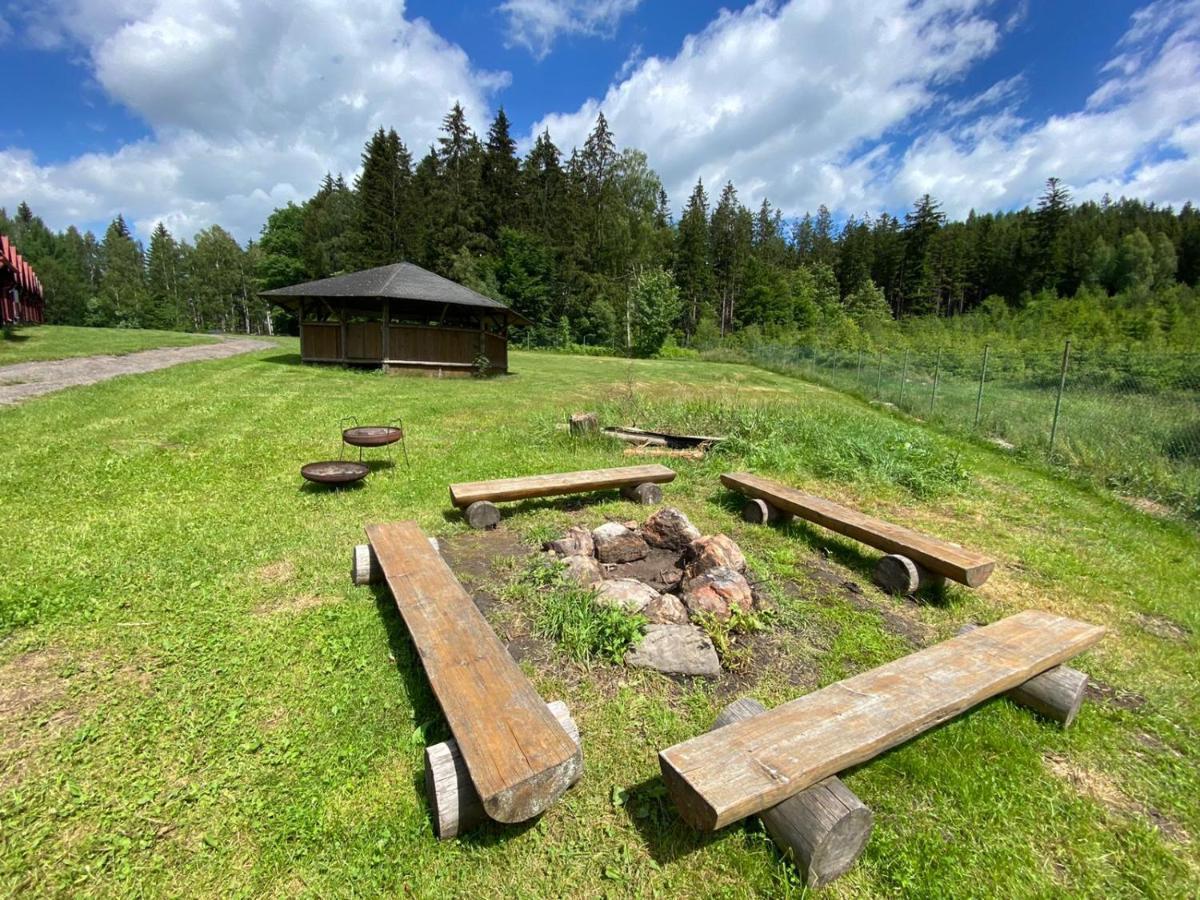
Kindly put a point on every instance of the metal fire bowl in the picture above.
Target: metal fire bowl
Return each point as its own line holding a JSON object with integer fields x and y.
{"x": 335, "y": 471}
{"x": 372, "y": 435}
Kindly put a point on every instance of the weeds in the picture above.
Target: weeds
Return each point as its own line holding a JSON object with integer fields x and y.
{"x": 722, "y": 633}
{"x": 570, "y": 615}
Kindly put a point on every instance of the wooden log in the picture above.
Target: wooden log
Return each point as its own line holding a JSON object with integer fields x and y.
{"x": 584, "y": 424}
{"x": 482, "y": 515}
{"x": 1056, "y": 694}
{"x": 646, "y": 493}
{"x": 557, "y": 483}
{"x": 823, "y": 829}
{"x": 364, "y": 567}
{"x": 760, "y": 512}
{"x": 943, "y": 557}
{"x": 453, "y": 801}
{"x": 752, "y": 765}
{"x": 517, "y": 754}
{"x": 897, "y": 574}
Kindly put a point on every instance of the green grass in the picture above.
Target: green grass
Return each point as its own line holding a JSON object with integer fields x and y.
{"x": 198, "y": 701}
{"x": 39, "y": 342}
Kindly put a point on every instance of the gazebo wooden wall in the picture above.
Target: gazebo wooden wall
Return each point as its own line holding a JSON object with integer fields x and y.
{"x": 350, "y": 334}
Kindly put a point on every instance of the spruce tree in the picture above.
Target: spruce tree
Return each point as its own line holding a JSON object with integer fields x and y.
{"x": 500, "y": 179}
{"x": 693, "y": 261}
{"x": 122, "y": 280}
{"x": 383, "y": 224}
{"x": 162, "y": 280}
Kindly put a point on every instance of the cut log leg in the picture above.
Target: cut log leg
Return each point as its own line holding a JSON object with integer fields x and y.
{"x": 364, "y": 568}
{"x": 760, "y": 512}
{"x": 823, "y": 829}
{"x": 453, "y": 802}
{"x": 482, "y": 515}
{"x": 646, "y": 494}
{"x": 898, "y": 574}
{"x": 584, "y": 424}
{"x": 1056, "y": 694}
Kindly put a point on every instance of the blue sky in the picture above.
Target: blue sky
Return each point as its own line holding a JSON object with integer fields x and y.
{"x": 199, "y": 112}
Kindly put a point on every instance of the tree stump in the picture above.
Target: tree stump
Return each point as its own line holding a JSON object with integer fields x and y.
{"x": 453, "y": 802}
{"x": 646, "y": 494}
{"x": 760, "y": 512}
{"x": 584, "y": 424}
{"x": 1056, "y": 694}
{"x": 897, "y": 574}
{"x": 364, "y": 567}
{"x": 823, "y": 829}
{"x": 482, "y": 515}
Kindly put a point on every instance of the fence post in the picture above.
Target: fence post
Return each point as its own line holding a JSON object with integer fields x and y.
{"x": 904, "y": 377}
{"x": 1062, "y": 383}
{"x": 879, "y": 379}
{"x": 937, "y": 373}
{"x": 987, "y": 348}
{"x": 860, "y": 356}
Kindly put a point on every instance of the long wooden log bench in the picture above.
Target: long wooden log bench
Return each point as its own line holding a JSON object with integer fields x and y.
{"x": 519, "y": 756}
{"x": 912, "y": 555}
{"x": 479, "y": 498}
{"x": 754, "y": 764}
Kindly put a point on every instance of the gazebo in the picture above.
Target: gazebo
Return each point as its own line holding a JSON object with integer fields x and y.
{"x": 399, "y": 316}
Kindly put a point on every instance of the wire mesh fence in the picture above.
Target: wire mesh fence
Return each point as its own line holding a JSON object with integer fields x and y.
{"x": 1130, "y": 420}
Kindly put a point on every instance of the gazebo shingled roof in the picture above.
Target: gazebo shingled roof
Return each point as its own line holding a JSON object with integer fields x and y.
{"x": 399, "y": 281}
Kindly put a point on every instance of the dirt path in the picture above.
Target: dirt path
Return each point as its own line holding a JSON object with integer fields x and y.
{"x": 32, "y": 379}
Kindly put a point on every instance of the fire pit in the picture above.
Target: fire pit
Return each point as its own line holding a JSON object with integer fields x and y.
{"x": 361, "y": 436}
{"x": 334, "y": 471}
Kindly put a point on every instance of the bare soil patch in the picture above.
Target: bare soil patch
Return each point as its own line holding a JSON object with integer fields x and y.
{"x": 1101, "y": 692}
{"x": 1101, "y": 788}
{"x": 37, "y": 705}
{"x": 297, "y": 603}
{"x": 1162, "y": 627}
{"x": 276, "y": 572}
{"x": 898, "y": 615}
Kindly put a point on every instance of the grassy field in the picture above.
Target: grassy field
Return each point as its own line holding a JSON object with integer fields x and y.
{"x": 1135, "y": 435}
{"x": 194, "y": 700}
{"x": 38, "y": 342}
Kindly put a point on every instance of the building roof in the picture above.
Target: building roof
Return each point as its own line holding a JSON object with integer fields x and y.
{"x": 400, "y": 281}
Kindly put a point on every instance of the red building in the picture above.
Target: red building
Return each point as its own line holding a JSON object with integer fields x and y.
{"x": 21, "y": 300}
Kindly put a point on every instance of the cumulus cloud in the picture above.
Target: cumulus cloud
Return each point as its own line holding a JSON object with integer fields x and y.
{"x": 537, "y": 24}
{"x": 249, "y": 103}
{"x": 791, "y": 100}
{"x": 1137, "y": 134}
{"x": 850, "y": 104}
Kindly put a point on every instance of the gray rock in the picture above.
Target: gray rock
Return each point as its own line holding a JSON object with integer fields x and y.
{"x": 617, "y": 544}
{"x": 670, "y": 529}
{"x": 576, "y": 542}
{"x": 625, "y": 593}
{"x": 676, "y": 650}
{"x": 666, "y": 609}
{"x": 717, "y": 591}
{"x": 715, "y": 551}
{"x": 584, "y": 570}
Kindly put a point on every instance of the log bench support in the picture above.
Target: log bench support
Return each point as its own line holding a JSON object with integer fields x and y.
{"x": 365, "y": 568}
{"x": 454, "y": 803}
{"x": 482, "y": 515}
{"x": 1056, "y": 695}
{"x": 647, "y": 493}
{"x": 760, "y": 512}
{"x": 899, "y": 575}
{"x": 823, "y": 829}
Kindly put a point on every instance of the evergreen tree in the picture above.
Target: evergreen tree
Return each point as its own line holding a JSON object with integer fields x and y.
{"x": 921, "y": 287}
{"x": 457, "y": 214}
{"x": 500, "y": 179}
{"x": 1053, "y": 211}
{"x": 383, "y": 229}
{"x": 730, "y": 231}
{"x": 162, "y": 280}
{"x": 693, "y": 262}
{"x": 122, "y": 281}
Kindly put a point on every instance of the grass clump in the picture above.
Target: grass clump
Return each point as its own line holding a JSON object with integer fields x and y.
{"x": 571, "y": 616}
{"x": 723, "y": 632}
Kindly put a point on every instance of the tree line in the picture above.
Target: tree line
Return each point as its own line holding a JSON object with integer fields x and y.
{"x": 585, "y": 246}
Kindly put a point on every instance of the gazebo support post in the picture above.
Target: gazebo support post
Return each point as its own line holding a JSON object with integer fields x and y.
{"x": 387, "y": 334}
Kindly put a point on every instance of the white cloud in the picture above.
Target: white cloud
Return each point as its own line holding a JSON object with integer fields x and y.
{"x": 249, "y": 103}
{"x": 537, "y": 24}
{"x": 1138, "y": 133}
{"x": 792, "y": 101}
{"x": 814, "y": 102}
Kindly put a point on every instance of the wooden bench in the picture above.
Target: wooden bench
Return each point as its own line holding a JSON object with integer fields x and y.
{"x": 518, "y": 755}
{"x": 756, "y": 763}
{"x": 912, "y": 555}
{"x": 478, "y": 498}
